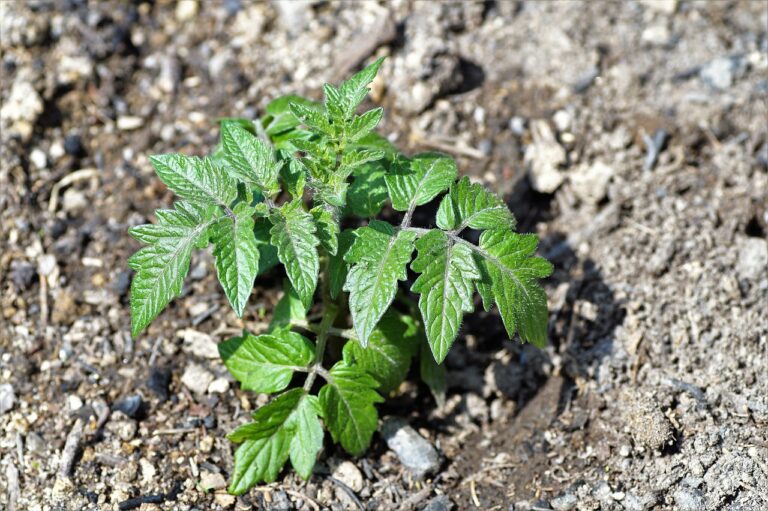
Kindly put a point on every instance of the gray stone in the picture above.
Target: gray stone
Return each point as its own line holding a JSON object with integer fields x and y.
{"x": 689, "y": 499}
{"x": 753, "y": 258}
{"x": 722, "y": 72}
{"x": 35, "y": 443}
{"x": 7, "y": 398}
{"x": 413, "y": 450}
{"x": 564, "y": 502}
{"x": 543, "y": 158}
{"x": 439, "y": 503}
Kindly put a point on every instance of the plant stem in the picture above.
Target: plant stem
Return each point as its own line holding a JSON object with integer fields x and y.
{"x": 330, "y": 310}
{"x": 344, "y": 333}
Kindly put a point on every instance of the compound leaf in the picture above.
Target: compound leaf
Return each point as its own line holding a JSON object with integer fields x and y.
{"x": 288, "y": 309}
{"x": 471, "y": 205}
{"x": 337, "y": 266}
{"x": 387, "y": 356}
{"x": 368, "y": 192}
{"x": 308, "y": 435}
{"x": 347, "y": 401}
{"x": 267, "y": 252}
{"x": 197, "y": 180}
{"x": 352, "y": 92}
{"x": 266, "y": 442}
{"x": 280, "y": 119}
{"x": 252, "y": 160}
{"x": 327, "y": 228}
{"x": 293, "y": 233}
{"x": 446, "y": 286}
{"x": 237, "y": 255}
{"x": 266, "y": 363}
{"x": 419, "y": 181}
{"x": 379, "y": 257}
{"x": 363, "y": 124}
{"x": 509, "y": 276}
{"x": 162, "y": 265}
{"x": 312, "y": 118}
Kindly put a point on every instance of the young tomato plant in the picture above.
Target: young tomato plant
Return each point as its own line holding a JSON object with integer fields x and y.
{"x": 280, "y": 190}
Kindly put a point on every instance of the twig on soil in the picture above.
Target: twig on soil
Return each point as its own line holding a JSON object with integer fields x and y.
{"x": 155, "y": 351}
{"x": 450, "y": 145}
{"x": 412, "y": 501}
{"x": 473, "y": 491}
{"x": 78, "y": 175}
{"x": 71, "y": 447}
{"x": 173, "y": 431}
{"x": 348, "y": 491}
{"x": 312, "y": 503}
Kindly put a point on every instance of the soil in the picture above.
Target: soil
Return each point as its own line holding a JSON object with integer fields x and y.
{"x": 630, "y": 136}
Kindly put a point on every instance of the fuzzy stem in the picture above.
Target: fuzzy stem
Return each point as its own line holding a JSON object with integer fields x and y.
{"x": 330, "y": 310}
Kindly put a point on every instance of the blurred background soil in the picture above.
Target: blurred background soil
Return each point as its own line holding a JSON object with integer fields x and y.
{"x": 630, "y": 136}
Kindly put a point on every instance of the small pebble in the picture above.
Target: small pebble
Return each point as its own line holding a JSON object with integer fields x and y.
{"x": 129, "y": 122}
{"x": 218, "y": 386}
{"x": 130, "y": 406}
{"x": 196, "y": 378}
{"x": 7, "y": 398}
{"x": 439, "y": 503}
{"x": 412, "y": 449}
{"x": 348, "y": 473}
{"x": 212, "y": 481}
{"x": 38, "y": 158}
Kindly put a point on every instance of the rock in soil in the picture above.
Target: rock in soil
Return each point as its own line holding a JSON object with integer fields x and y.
{"x": 412, "y": 449}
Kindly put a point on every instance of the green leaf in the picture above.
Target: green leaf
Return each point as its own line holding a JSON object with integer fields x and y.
{"x": 420, "y": 180}
{"x": 308, "y": 437}
{"x": 375, "y": 141}
{"x": 314, "y": 119}
{"x": 432, "y": 373}
{"x": 266, "y": 442}
{"x": 470, "y": 205}
{"x": 379, "y": 257}
{"x": 368, "y": 192}
{"x": 266, "y": 363}
{"x": 293, "y": 233}
{"x": 353, "y": 159}
{"x": 237, "y": 255}
{"x": 446, "y": 286}
{"x": 363, "y": 124}
{"x": 252, "y": 160}
{"x": 337, "y": 266}
{"x": 197, "y": 180}
{"x": 388, "y": 354}
{"x": 280, "y": 118}
{"x": 353, "y": 91}
{"x": 327, "y": 229}
{"x": 509, "y": 275}
{"x": 294, "y": 177}
{"x": 267, "y": 252}
{"x": 288, "y": 309}
{"x": 347, "y": 401}
{"x": 246, "y": 124}
{"x": 162, "y": 265}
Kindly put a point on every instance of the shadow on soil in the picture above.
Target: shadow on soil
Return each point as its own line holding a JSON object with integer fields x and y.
{"x": 583, "y": 317}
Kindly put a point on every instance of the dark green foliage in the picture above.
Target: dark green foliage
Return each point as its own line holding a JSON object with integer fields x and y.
{"x": 275, "y": 193}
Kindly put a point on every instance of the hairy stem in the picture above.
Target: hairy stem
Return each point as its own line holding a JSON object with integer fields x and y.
{"x": 330, "y": 310}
